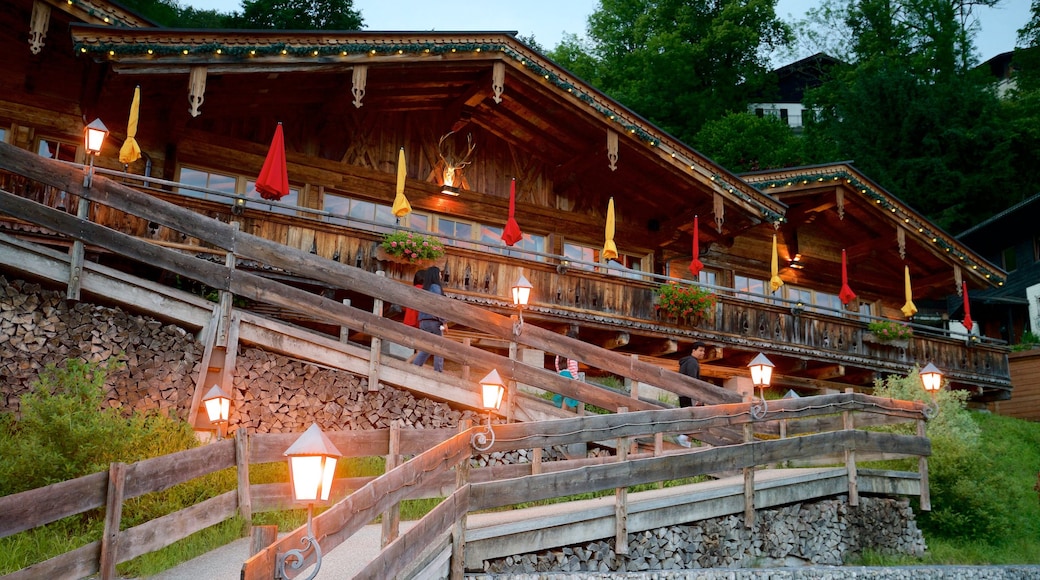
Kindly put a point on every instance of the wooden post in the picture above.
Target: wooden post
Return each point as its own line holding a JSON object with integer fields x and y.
{"x": 511, "y": 387}
{"x": 850, "y": 459}
{"x": 536, "y": 461}
{"x": 344, "y": 332}
{"x": 458, "y": 532}
{"x": 621, "y": 500}
{"x": 634, "y": 385}
{"x": 226, "y": 299}
{"x": 749, "y": 483}
{"x": 392, "y": 516}
{"x": 261, "y": 537}
{"x": 466, "y": 342}
{"x": 374, "y": 355}
{"x": 113, "y": 514}
{"x": 76, "y": 255}
{"x": 245, "y": 501}
{"x": 922, "y": 470}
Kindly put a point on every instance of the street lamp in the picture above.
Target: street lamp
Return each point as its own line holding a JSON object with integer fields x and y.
{"x": 492, "y": 390}
{"x": 312, "y": 465}
{"x": 93, "y": 138}
{"x": 218, "y": 407}
{"x": 521, "y": 295}
{"x": 932, "y": 378}
{"x": 761, "y": 373}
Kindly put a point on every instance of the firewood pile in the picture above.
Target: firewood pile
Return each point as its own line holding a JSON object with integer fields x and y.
{"x": 278, "y": 394}
{"x": 38, "y": 327}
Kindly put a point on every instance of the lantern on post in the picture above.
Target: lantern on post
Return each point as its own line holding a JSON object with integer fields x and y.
{"x": 492, "y": 389}
{"x": 761, "y": 373}
{"x": 312, "y": 465}
{"x": 218, "y": 407}
{"x": 521, "y": 295}
{"x": 932, "y": 378}
{"x": 93, "y": 138}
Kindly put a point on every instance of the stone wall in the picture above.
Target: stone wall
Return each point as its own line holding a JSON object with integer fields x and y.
{"x": 827, "y": 532}
{"x": 807, "y": 573}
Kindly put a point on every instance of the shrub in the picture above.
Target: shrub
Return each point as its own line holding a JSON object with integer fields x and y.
{"x": 412, "y": 247}
{"x": 684, "y": 300}
{"x": 887, "y": 330}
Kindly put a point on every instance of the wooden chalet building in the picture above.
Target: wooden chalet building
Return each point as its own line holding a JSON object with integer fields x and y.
{"x": 492, "y": 109}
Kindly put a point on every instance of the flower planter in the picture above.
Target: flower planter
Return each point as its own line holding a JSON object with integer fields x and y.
{"x": 896, "y": 343}
{"x": 384, "y": 256}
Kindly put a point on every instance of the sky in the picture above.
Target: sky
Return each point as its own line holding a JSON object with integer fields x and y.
{"x": 548, "y": 20}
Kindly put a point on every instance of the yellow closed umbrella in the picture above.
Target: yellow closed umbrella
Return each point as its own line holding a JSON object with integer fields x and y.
{"x": 909, "y": 309}
{"x": 774, "y": 271}
{"x": 609, "y": 248}
{"x": 401, "y": 206}
{"x": 131, "y": 151}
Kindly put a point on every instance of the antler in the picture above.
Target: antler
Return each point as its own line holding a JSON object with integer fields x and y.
{"x": 451, "y": 166}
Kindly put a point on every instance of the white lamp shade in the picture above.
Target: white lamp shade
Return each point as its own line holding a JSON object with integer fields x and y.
{"x": 932, "y": 377}
{"x": 312, "y": 476}
{"x": 522, "y": 291}
{"x": 218, "y": 404}
{"x": 761, "y": 370}
{"x": 312, "y": 465}
{"x": 94, "y": 136}
{"x": 492, "y": 390}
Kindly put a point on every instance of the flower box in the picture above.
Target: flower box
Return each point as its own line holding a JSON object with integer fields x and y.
{"x": 410, "y": 249}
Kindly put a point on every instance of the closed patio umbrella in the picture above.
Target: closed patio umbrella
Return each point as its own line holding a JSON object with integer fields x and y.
{"x": 511, "y": 234}
{"x": 609, "y": 248}
{"x": 908, "y": 309}
{"x": 695, "y": 264}
{"x": 967, "y": 308}
{"x": 401, "y": 206}
{"x": 131, "y": 151}
{"x": 846, "y": 294}
{"x": 775, "y": 282}
{"x": 273, "y": 182}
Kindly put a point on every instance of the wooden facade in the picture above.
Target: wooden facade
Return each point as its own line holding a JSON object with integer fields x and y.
{"x": 349, "y": 102}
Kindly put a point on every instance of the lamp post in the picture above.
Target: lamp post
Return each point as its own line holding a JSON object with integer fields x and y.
{"x": 218, "y": 407}
{"x": 761, "y": 373}
{"x": 312, "y": 465}
{"x": 521, "y": 296}
{"x": 492, "y": 390}
{"x": 932, "y": 378}
{"x": 93, "y": 138}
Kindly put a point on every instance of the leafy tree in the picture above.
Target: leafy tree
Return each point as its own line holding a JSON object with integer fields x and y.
{"x": 914, "y": 116}
{"x": 679, "y": 63}
{"x": 744, "y": 142}
{"x": 299, "y": 15}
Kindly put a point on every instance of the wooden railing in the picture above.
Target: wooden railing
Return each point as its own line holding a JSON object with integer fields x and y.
{"x": 483, "y": 278}
{"x": 483, "y": 489}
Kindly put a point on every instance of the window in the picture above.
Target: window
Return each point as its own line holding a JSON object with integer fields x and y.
{"x": 709, "y": 277}
{"x": 3, "y": 134}
{"x": 491, "y": 236}
{"x": 1008, "y": 255}
{"x": 229, "y": 185}
{"x": 750, "y": 288}
{"x": 344, "y": 209}
{"x": 783, "y": 116}
{"x": 54, "y": 149}
{"x": 575, "y": 253}
{"x": 458, "y": 229}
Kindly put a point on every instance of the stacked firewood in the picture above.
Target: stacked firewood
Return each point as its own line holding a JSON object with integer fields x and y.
{"x": 153, "y": 362}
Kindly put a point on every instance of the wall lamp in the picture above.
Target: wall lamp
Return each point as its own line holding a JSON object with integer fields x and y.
{"x": 932, "y": 378}
{"x": 492, "y": 389}
{"x": 218, "y": 407}
{"x": 312, "y": 465}
{"x": 450, "y": 190}
{"x": 521, "y": 296}
{"x": 761, "y": 373}
{"x": 93, "y": 138}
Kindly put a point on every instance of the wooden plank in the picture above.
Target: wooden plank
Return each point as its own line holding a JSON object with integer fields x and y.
{"x": 37, "y": 507}
{"x": 164, "y": 531}
{"x": 164, "y": 472}
{"x": 650, "y": 470}
{"x": 404, "y": 550}
{"x": 245, "y": 503}
{"x": 79, "y": 563}
{"x": 110, "y": 539}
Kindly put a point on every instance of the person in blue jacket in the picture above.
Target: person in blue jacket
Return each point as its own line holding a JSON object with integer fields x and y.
{"x": 429, "y": 322}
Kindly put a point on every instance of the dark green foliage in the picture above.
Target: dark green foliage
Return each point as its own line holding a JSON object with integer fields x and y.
{"x": 743, "y": 142}
{"x": 299, "y": 15}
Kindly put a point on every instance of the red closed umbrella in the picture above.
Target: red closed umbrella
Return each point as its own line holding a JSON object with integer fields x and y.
{"x": 967, "y": 309}
{"x": 846, "y": 295}
{"x": 695, "y": 264}
{"x": 511, "y": 234}
{"x": 273, "y": 182}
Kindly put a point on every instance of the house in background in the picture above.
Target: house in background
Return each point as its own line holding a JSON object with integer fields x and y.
{"x": 792, "y": 82}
